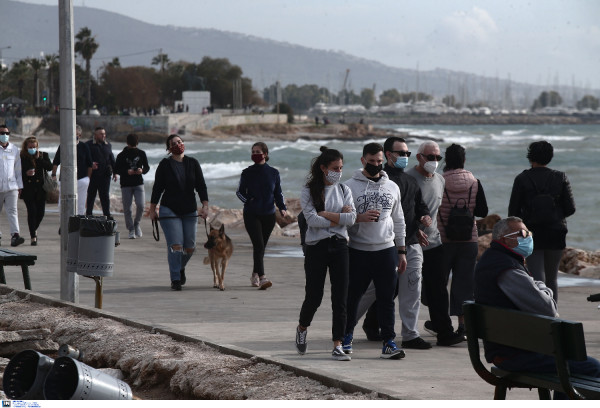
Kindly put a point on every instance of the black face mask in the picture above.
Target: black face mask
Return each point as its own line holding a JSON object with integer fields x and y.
{"x": 372, "y": 169}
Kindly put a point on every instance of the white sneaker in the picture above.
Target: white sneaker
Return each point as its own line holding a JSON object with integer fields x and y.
{"x": 264, "y": 283}
{"x": 254, "y": 280}
{"x": 339, "y": 355}
{"x": 132, "y": 234}
{"x": 138, "y": 231}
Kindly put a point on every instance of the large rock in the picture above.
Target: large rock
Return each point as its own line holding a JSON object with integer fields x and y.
{"x": 579, "y": 262}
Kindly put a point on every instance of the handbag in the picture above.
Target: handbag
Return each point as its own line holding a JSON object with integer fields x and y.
{"x": 49, "y": 184}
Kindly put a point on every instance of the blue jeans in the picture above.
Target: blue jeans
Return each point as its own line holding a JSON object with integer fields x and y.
{"x": 179, "y": 230}
{"x": 539, "y": 363}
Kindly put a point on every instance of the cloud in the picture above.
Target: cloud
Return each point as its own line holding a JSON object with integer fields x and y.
{"x": 475, "y": 25}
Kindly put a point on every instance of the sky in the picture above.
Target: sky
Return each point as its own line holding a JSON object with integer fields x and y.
{"x": 544, "y": 42}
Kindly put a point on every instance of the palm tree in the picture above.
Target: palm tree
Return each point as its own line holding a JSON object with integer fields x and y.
{"x": 52, "y": 64}
{"x": 162, "y": 60}
{"x": 86, "y": 46}
{"x": 36, "y": 64}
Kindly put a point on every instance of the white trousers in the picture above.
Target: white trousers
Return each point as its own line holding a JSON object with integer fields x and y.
{"x": 8, "y": 201}
{"x": 409, "y": 294}
{"x": 82, "y": 186}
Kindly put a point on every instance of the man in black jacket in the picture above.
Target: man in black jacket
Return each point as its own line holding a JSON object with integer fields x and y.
{"x": 103, "y": 163}
{"x": 542, "y": 197}
{"x": 409, "y": 283}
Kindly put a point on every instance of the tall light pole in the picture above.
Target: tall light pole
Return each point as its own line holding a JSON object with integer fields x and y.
{"x": 2, "y": 60}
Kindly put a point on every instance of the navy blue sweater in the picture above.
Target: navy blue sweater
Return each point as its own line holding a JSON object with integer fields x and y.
{"x": 260, "y": 189}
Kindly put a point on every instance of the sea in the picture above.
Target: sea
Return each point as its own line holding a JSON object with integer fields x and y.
{"x": 494, "y": 154}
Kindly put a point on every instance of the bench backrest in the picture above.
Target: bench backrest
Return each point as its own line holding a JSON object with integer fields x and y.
{"x": 525, "y": 331}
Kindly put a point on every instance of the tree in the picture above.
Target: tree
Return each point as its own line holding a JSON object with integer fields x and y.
{"x": 115, "y": 63}
{"x": 86, "y": 46}
{"x": 162, "y": 60}
{"x": 285, "y": 108}
{"x": 449, "y": 100}
{"x": 131, "y": 87}
{"x": 36, "y": 65}
{"x": 389, "y": 97}
{"x": 546, "y": 99}
{"x": 367, "y": 97}
{"x": 588, "y": 102}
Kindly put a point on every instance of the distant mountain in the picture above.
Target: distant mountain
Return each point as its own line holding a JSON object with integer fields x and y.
{"x": 30, "y": 29}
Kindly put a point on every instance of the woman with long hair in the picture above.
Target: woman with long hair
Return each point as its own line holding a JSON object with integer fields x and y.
{"x": 329, "y": 209}
{"x": 460, "y": 254}
{"x": 260, "y": 191}
{"x": 177, "y": 179}
{"x": 33, "y": 165}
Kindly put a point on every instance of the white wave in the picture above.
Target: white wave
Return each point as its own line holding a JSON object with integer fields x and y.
{"x": 513, "y": 132}
{"x": 558, "y": 138}
{"x": 224, "y": 170}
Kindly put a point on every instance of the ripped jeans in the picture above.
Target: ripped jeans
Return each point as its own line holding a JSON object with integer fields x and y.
{"x": 180, "y": 232}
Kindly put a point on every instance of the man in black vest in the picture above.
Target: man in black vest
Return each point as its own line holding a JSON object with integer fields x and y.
{"x": 503, "y": 280}
{"x": 103, "y": 163}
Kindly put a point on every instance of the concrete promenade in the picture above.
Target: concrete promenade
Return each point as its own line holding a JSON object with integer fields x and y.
{"x": 263, "y": 322}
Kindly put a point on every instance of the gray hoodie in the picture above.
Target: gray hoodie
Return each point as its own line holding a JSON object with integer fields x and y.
{"x": 384, "y": 196}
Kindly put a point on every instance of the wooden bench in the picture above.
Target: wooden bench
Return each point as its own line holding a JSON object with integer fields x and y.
{"x": 13, "y": 258}
{"x": 562, "y": 339}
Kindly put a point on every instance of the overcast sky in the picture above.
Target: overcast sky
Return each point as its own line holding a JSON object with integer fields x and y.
{"x": 538, "y": 41}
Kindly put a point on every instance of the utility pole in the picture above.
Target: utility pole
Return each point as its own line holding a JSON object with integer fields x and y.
{"x": 69, "y": 282}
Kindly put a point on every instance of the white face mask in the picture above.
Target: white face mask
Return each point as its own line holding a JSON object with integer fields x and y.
{"x": 430, "y": 166}
{"x": 333, "y": 176}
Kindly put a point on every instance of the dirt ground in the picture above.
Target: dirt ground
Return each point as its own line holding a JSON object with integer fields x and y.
{"x": 158, "y": 367}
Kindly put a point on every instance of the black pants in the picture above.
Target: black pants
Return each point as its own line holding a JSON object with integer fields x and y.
{"x": 379, "y": 267}
{"x": 259, "y": 229}
{"x": 35, "y": 214}
{"x": 329, "y": 253}
{"x": 100, "y": 185}
{"x": 435, "y": 283}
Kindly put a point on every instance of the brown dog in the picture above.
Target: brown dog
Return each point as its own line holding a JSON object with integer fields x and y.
{"x": 220, "y": 249}
{"x": 485, "y": 225}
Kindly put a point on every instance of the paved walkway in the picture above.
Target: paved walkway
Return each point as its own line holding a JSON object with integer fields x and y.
{"x": 263, "y": 322}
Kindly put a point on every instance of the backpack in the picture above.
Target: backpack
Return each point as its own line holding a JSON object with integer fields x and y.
{"x": 460, "y": 221}
{"x": 303, "y": 225}
{"x": 542, "y": 206}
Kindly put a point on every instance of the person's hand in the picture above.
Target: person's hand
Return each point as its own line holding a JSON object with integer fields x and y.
{"x": 401, "y": 263}
{"x": 131, "y": 172}
{"x": 426, "y": 220}
{"x": 94, "y": 165}
{"x": 347, "y": 209}
{"x": 283, "y": 213}
{"x": 138, "y": 171}
{"x": 422, "y": 237}
{"x": 30, "y": 172}
{"x": 114, "y": 177}
{"x": 368, "y": 216}
{"x": 203, "y": 212}
{"x": 153, "y": 215}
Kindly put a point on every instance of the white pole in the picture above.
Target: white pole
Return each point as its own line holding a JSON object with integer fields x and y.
{"x": 69, "y": 282}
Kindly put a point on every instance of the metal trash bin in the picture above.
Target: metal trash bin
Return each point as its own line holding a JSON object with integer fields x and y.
{"x": 70, "y": 379}
{"x": 25, "y": 374}
{"x": 73, "y": 242}
{"x": 96, "y": 250}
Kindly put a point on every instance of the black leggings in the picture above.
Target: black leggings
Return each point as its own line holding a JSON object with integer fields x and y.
{"x": 35, "y": 214}
{"x": 259, "y": 229}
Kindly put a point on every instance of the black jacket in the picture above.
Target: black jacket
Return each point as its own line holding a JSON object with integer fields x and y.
{"x": 550, "y": 235}
{"x": 412, "y": 203}
{"x": 103, "y": 155}
{"x": 131, "y": 158}
{"x": 180, "y": 199}
{"x": 33, "y": 185}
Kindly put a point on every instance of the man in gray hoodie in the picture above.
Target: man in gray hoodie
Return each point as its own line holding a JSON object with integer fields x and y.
{"x": 376, "y": 247}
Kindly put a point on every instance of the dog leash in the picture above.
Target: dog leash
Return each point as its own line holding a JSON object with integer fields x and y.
{"x": 155, "y": 230}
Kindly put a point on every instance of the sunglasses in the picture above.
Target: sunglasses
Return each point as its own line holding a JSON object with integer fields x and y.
{"x": 432, "y": 157}
{"x": 402, "y": 153}
{"x": 523, "y": 233}
{"x": 4, "y": 133}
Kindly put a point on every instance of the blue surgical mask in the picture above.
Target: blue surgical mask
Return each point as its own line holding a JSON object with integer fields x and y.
{"x": 525, "y": 247}
{"x": 31, "y": 150}
{"x": 401, "y": 162}
{"x": 4, "y": 138}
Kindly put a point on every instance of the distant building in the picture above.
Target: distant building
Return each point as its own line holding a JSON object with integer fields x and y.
{"x": 195, "y": 100}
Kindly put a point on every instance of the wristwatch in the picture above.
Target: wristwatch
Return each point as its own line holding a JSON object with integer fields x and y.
{"x": 402, "y": 251}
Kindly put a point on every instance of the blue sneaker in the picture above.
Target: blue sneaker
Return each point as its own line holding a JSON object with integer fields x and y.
{"x": 347, "y": 343}
{"x": 391, "y": 351}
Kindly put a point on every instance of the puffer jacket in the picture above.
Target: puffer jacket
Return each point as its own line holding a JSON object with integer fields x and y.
{"x": 458, "y": 183}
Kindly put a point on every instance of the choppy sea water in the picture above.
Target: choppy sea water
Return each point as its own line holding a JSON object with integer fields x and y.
{"x": 495, "y": 155}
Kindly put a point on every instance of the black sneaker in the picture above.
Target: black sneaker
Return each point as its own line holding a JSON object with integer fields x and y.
{"x": 182, "y": 278}
{"x": 16, "y": 240}
{"x": 462, "y": 332}
{"x": 176, "y": 285}
{"x": 450, "y": 340}
{"x": 301, "y": 342}
{"x": 418, "y": 344}
{"x": 391, "y": 351}
{"x": 428, "y": 326}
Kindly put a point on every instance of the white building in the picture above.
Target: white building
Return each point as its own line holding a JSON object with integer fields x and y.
{"x": 195, "y": 101}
